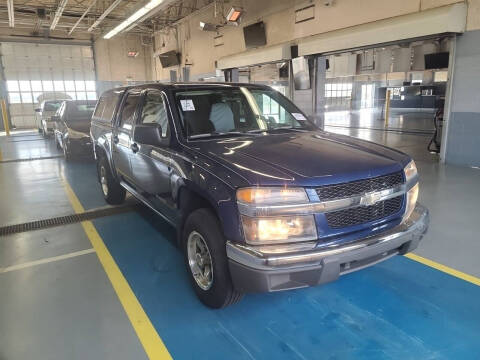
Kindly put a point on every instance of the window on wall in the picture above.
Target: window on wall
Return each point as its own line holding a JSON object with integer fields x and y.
{"x": 28, "y": 91}
{"x": 338, "y": 95}
{"x": 339, "y": 90}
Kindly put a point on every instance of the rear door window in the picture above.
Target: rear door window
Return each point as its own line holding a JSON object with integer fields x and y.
{"x": 111, "y": 104}
{"x": 97, "y": 115}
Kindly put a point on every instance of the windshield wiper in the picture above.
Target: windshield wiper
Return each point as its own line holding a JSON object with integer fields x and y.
{"x": 217, "y": 133}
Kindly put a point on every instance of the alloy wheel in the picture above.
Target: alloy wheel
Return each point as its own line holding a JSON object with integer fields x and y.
{"x": 200, "y": 260}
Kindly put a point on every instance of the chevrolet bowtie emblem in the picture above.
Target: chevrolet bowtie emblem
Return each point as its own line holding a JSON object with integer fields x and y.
{"x": 373, "y": 197}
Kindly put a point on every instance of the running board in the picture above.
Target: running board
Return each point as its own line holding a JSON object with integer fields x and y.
{"x": 144, "y": 201}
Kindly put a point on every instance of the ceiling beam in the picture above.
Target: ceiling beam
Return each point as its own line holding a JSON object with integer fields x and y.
{"x": 104, "y": 15}
{"x": 58, "y": 13}
{"x": 93, "y": 2}
{"x": 11, "y": 15}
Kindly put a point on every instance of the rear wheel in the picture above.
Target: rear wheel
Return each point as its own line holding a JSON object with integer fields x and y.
{"x": 112, "y": 191}
{"x": 206, "y": 260}
{"x": 45, "y": 132}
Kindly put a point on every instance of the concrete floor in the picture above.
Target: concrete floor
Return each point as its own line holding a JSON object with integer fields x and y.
{"x": 67, "y": 308}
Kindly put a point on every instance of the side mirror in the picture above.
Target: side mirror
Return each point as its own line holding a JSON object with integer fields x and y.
{"x": 38, "y": 110}
{"x": 148, "y": 135}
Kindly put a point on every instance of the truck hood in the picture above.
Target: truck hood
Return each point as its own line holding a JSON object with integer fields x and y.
{"x": 311, "y": 158}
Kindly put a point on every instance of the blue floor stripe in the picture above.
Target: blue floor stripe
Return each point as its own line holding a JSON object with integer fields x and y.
{"x": 399, "y": 309}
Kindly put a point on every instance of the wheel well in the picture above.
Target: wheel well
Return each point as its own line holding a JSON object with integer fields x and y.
{"x": 189, "y": 201}
{"x": 99, "y": 151}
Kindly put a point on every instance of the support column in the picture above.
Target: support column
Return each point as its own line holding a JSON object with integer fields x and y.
{"x": 461, "y": 138}
{"x": 319, "y": 93}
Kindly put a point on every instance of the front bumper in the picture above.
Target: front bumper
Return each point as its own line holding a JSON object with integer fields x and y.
{"x": 257, "y": 270}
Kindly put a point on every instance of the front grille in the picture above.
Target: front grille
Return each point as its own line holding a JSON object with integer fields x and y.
{"x": 354, "y": 188}
{"x": 363, "y": 214}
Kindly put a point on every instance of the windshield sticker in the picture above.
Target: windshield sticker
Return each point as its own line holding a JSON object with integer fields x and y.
{"x": 187, "y": 105}
{"x": 299, "y": 116}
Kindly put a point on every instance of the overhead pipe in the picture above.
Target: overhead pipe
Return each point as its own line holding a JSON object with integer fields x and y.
{"x": 104, "y": 15}
{"x": 93, "y": 2}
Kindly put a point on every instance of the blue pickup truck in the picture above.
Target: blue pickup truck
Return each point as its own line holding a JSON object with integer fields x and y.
{"x": 262, "y": 199}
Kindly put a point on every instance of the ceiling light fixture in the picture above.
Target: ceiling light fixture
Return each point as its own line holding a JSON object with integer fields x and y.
{"x": 208, "y": 26}
{"x": 133, "y": 18}
{"x": 58, "y": 13}
{"x": 11, "y": 14}
{"x": 234, "y": 14}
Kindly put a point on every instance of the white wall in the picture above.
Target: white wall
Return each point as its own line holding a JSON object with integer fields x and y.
{"x": 197, "y": 47}
{"x": 113, "y": 64}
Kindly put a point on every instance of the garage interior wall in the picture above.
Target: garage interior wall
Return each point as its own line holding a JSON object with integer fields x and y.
{"x": 200, "y": 49}
{"x": 116, "y": 68}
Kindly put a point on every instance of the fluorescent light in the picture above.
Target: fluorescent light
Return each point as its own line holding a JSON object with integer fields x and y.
{"x": 137, "y": 15}
{"x": 58, "y": 14}
{"x": 11, "y": 14}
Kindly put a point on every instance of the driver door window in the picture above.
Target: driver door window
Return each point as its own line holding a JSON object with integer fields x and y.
{"x": 273, "y": 110}
{"x": 154, "y": 111}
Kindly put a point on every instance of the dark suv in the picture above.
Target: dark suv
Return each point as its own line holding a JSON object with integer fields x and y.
{"x": 262, "y": 199}
{"x": 72, "y": 128}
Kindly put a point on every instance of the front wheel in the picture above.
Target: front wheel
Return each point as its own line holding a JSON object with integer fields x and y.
{"x": 57, "y": 143}
{"x": 206, "y": 260}
{"x": 112, "y": 191}
{"x": 66, "y": 153}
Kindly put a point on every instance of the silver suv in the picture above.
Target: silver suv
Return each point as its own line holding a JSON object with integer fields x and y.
{"x": 45, "y": 111}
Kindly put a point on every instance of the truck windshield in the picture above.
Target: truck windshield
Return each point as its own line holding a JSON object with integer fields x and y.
{"x": 233, "y": 111}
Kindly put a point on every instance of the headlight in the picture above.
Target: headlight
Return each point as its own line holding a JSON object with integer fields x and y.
{"x": 72, "y": 134}
{"x": 272, "y": 230}
{"x": 271, "y": 196}
{"x": 410, "y": 171}
{"x": 412, "y": 197}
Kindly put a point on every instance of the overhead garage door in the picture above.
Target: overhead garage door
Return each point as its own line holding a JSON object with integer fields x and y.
{"x": 52, "y": 71}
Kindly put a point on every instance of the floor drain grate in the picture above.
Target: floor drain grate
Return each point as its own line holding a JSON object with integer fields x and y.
{"x": 65, "y": 220}
{"x": 31, "y": 159}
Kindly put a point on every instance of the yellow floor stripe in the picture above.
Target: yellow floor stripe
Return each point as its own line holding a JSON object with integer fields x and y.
{"x": 148, "y": 336}
{"x": 461, "y": 275}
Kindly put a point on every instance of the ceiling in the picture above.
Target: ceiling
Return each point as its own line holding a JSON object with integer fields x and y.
{"x": 35, "y": 17}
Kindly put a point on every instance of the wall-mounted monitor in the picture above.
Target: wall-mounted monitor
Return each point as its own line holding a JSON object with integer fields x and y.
{"x": 169, "y": 58}
{"x": 255, "y": 35}
{"x": 436, "y": 61}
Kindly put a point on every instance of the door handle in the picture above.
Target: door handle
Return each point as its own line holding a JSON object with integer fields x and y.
{"x": 115, "y": 139}
{"x": 134, "y": 147}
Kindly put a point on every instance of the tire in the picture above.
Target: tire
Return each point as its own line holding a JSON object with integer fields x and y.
{"x": 215, "y": 290}
{"x": 113, "y": 192}
{"x": 68, "y": 156}
{"x": 46, "y": 135}
{"x": 57, "y": 143}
